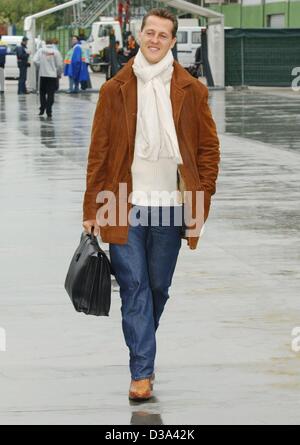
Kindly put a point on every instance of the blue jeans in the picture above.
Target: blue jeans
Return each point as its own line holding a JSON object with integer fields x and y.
{"x": 22, "y": 79}
{"x": 73, "y": 85}
{"x": 144, "y": 268}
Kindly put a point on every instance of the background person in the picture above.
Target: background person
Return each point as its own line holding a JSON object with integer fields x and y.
{"x": 23, "y": 64}
{"x": 76, "y": 66}
{"x": 132, "y": 47}
{"x": 86, "y": 55}
{"x": 3, "y": 52}
{"x": 50, "y": 63}
{"x": 55, "y": 43}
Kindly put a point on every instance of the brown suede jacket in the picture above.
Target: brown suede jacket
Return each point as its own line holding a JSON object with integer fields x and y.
{"x": 113, "y": 136}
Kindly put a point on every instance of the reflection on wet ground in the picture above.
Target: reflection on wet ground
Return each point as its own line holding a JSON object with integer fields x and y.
{"x": 267, "y": 118}
{"x": 224, "y": 344}
{"x": 146, "y": 413}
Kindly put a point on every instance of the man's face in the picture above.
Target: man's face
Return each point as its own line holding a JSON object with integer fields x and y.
{"x": 74, "y": 41}
{"x": 156, "y": 38}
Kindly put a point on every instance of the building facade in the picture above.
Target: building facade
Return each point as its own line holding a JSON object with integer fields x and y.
{"x": 242, "y": 13}
{"x": 258, "y": 13}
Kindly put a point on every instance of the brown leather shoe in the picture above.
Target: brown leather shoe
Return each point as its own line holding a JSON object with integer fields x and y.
{"x": 140, "y": 389}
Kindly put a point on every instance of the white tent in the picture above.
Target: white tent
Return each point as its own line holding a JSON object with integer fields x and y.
{"x": 215, "y": 22}
{"x": 215, "y": 36}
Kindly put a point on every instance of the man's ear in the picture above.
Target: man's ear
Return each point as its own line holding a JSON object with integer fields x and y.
{"x": 173, "y": 42}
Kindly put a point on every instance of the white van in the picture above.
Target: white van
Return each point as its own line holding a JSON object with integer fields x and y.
{"x": 99, "y": 37}
{"x": 188, "y": 40}
{"x": 11, "y": 66}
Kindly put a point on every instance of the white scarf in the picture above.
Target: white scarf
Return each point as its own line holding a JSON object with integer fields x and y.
{"x": 156, "y": 135}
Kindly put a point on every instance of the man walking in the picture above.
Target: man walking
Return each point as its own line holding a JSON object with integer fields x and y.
{"x": 3, "y": 52}
{"x": 153, "y": 137}
{"x": 23, "y": 64}
{"x": 50, "y": 63}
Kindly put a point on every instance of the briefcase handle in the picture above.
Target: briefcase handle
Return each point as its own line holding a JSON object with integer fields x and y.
{"x": 94, "y": 238}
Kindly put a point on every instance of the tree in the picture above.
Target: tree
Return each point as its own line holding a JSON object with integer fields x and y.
{"x": 16, "y": 11}
{"x": 4, "y": 20}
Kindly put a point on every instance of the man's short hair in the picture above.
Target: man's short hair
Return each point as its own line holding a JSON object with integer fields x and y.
{"x": 49, "y": 41}
{"x": 164, "y": 14}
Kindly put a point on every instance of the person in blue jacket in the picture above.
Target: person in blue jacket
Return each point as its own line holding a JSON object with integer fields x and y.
{"x": 23, "y": 64}
{"x": 3, "y": 52}
{"x": 76, "y": 69}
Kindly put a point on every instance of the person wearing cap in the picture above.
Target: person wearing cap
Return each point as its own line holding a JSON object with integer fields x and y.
{"x": 22, "y": 59}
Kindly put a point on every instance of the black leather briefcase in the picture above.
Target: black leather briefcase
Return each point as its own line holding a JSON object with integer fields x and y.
{"x": 88, "y": 281}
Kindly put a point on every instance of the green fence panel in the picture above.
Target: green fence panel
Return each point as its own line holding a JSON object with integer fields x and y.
{"x": 64, "y": 36}
{"x": 264, "y": 57}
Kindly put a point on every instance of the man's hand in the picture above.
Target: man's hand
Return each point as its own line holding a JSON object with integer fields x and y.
{"x": 88, "y": 224}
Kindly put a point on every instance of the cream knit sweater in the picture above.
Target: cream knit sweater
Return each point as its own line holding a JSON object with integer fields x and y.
{"x": 155, "y": 182}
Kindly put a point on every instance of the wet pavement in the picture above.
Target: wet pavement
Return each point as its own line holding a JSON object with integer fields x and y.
{"x": 224, "y": 343}
{"x": 267, "y": 116}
